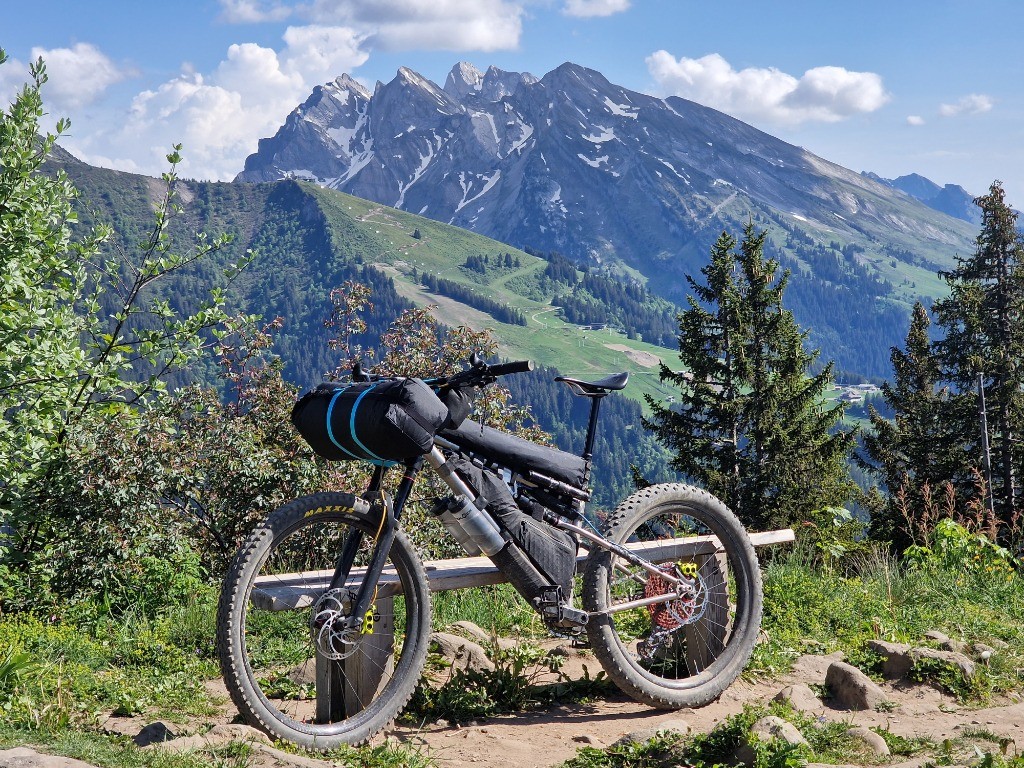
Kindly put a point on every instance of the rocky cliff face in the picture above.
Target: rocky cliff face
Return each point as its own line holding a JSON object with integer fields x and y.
{"x": 575, "y": 163}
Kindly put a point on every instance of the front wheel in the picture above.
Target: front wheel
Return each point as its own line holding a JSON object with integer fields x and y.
{"x": 685, "y": 651}
{"x": 293, "y": 666}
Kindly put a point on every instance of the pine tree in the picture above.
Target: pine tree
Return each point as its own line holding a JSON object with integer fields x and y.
{"x": 750, "y": 425}
{"x": 919, "y": 447}
{"x": 983, "y": 320}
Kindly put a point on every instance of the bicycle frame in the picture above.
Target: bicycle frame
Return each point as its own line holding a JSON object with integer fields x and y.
{"x": 391, "y": 510}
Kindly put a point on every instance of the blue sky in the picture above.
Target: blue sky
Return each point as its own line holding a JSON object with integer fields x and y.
{"x": 934, "y": 87}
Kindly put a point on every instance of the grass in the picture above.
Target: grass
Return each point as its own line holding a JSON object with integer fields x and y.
{"x": 875, "y": 597}
{"x": 497, "y": 609}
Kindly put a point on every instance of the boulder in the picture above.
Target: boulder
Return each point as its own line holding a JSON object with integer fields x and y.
{"x": 811, "y": 668}
{"x": 954, "y": 646}
{"x": 870, "y": 739}
{"x": 898, "y": 663}
{"x": 481, "y": 636}
{"x": 462, "y": 653}
{"x": 853, "y": 689}
{"x": 801, "y": 698}
{"x": 952, "y": 659}
{"x": 472, "y": 631}
{"x": 217, "y": 736}
{"x": 935, "y": 636}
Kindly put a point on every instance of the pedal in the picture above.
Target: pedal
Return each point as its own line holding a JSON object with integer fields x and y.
{"x": 558, "y": 614}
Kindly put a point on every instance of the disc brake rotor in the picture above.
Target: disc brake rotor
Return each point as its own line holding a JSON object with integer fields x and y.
{"x": 334, "y": 638}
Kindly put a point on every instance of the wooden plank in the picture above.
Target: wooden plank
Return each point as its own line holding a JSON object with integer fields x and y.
{"x": 293, "y": 591}
{"x": 373, "y": 664}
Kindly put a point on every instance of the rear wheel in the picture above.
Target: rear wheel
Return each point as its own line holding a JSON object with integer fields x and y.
{"x": 293, "y": 667}
{"x": 685, "y": 651}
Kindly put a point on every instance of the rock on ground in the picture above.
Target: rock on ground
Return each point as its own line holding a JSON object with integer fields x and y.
{"x": 852, "y": 688}
{"x": 646, "y": 734}
{"x": 898, "y": 662}
{"x": 802, "y": 698}
{"x": 812, "y": 668}
{"x": 768, "y": 728}
{"x": 462, "y": 653}
{"x": 23, "y": 757}
{"x": 951, "y": 658}
{"x": 869, "y": 738}
{"x": 217, "y": 736}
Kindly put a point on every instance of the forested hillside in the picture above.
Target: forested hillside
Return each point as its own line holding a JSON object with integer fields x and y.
{"x": 306, "y": 241}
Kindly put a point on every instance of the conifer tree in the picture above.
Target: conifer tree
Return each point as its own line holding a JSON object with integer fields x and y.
{"x": 919, "y": 447}
{"x": 983, "y": 320}
{"x": 750, "y": 425}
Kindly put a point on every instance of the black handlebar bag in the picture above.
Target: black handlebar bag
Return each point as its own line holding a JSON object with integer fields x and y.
{"x": 382, "y": 422}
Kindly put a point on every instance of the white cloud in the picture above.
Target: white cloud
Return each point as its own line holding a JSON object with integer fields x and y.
{"x": 402, "y": 25}
{"x": 825, "y": 94}
{"x": 13, "y": 75}
{"x": 973, "y": 104}
{"x": 915, "y": 120}
{"x": 77, "y": 75}
{"x": 220, "y": 116}
{"x": 586, "y": 8}
{"x": 253, "y": 11}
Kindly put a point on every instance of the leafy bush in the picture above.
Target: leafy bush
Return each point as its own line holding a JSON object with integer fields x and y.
{"x": 955, "y": 548}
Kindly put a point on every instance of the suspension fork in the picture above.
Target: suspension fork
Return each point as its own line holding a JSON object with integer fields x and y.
{"x": 391, "y": 512}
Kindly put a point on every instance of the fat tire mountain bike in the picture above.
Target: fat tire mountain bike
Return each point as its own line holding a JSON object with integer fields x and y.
{"x": 670, "y": 600}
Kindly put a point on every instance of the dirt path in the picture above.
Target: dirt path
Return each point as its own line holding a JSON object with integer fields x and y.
{"x": 547, "y": 738}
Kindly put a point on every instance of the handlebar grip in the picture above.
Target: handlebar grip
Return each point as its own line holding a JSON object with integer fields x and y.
{"x": 518, "y": 366}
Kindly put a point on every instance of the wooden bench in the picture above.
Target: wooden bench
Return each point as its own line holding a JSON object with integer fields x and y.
{"x": 369, "y": 666}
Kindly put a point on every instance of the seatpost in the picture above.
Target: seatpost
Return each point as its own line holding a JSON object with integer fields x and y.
{"x": 595, "y": 406}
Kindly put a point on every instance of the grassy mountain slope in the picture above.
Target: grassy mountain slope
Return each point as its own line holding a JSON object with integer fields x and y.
{"x": 383, "y": 236}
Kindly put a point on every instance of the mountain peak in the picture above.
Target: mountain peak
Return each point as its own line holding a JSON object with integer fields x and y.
{"x": 346, "y": 83}
{"x": 609, "y": 176}
{"x": 463, "y": 80}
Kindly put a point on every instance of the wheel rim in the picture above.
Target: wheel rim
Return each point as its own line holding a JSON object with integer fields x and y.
{"x": 682, "y": 642}
{"x": 280, "y": 645}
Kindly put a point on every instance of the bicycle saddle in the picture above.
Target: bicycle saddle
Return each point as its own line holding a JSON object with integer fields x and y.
{"x": 600, "y": 388}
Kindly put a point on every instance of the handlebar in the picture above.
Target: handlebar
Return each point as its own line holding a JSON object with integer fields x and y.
{"x": 478, "y": 374}
{"x": 519, "y": 366}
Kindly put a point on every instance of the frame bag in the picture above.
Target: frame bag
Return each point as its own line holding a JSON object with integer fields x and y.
{"x": 552, "y": 551}
{"x": 382, "y": 422}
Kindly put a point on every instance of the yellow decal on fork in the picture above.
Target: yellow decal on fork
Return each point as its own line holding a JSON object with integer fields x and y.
{"x": 689, "y": 570}
{"x": 368, "y": 619}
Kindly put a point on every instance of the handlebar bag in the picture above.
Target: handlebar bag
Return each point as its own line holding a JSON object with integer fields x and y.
{"x": 382, "y": 422}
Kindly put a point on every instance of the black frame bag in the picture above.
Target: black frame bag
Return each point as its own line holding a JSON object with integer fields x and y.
{"x": 382, "y": 422}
